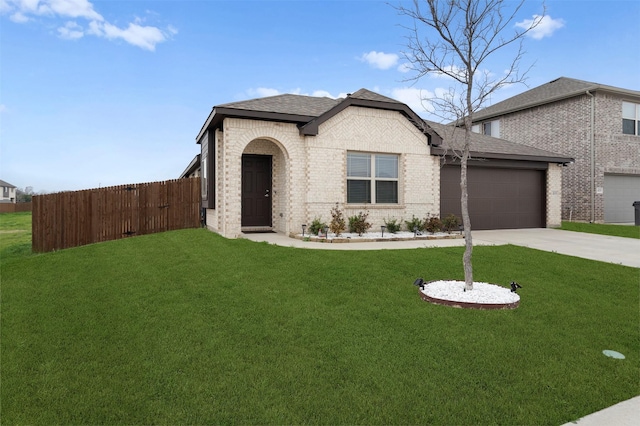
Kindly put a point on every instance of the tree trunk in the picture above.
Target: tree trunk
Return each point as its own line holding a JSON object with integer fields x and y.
{"x": 464, "y": 198}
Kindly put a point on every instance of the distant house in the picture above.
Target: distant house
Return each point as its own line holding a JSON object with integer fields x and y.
{"x": 276, "y": 163}
{"x": 8, "y": 192}
{"x": 597, "y": 125}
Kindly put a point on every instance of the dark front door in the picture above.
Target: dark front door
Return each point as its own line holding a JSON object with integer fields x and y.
{"x": 256, "y": 190}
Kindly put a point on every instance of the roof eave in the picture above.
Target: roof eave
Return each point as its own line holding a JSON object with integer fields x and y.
{"x": 439, "y": 151}
{"x": 218, "y": 114}
{"x": 192, "y": 167}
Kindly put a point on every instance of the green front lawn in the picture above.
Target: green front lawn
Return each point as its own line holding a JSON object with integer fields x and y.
{"x": 186, "y": 327}
{"x": 626, "y": 231}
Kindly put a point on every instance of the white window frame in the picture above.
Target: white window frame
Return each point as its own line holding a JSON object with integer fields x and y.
{"x": 494, "y": 128}
{"x": 631, "y": 111}
{"x": 372, "y": 178}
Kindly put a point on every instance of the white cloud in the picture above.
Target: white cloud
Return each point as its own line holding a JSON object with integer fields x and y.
{"x": 3, "y": 108}
{"x": 144, "y": 37}
{"x": 19, "y": 18}
{"x": 136, "y": 34}
{"x": 414, "y": 98}
{"x": 449, "y": 71}
{"x": 546, "y": 26}
{"x": 405, "y": 67}
{"x": 74, "y": 9}
{"x": 71, "y": 31}
{"x": 262, "y": 92}
{"x": 380, "y": 60}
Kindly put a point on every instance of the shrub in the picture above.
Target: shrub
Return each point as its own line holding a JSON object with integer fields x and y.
{"x": 433, "y": 224}
{"x": 338, "y": 224}
{"x": 359, "y": 223}
{"x": 316, "y": 226}
{"x": 414, "y": 224}
{"x": 392, "y": 225}
{"x": 450, "y": 223}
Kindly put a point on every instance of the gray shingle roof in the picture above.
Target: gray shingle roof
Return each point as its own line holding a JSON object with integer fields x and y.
{"x": 368, "y": 95}
{"x": 286, "y": 104}
{"x": 490, "y": 147}
{"x": 560, "y": 88}
{"x": 6, "y": 184}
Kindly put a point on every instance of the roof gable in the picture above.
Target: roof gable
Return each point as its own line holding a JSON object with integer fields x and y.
{"x": 308, "y": 112}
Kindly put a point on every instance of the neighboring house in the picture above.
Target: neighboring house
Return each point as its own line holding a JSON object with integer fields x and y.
{"x": 597, "y": 125}
{"x": 276, "y": 163}
{"x": 7, "y": 192}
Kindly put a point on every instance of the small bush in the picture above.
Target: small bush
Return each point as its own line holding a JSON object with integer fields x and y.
{"x": 316, "y": 226}
{"x": 359, "y": 223}
{"x": 392, "y": 225}
{"x": 433, "y": 225}
{"x": 450, "y": 223}
{"x": 415, "y": 224}
{"x": 338, "y": 224}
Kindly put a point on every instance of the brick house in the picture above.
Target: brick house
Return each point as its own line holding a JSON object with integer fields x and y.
{"x": 597, "y": 125}
{"x": 275, "y": 163}
{"x": 7, "y": 192}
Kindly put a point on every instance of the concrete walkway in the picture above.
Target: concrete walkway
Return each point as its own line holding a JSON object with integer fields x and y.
{"x": 623, "y": 251}
{"x": 625, "y": 413}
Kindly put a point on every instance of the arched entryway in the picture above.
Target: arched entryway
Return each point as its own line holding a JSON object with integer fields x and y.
{"x": 264, "y": 187}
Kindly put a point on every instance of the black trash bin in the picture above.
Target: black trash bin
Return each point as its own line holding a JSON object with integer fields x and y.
{"x": 636, "y": 205}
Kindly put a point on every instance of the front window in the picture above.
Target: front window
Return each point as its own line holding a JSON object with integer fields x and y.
{"x": 630, "y": 118}
{"x": 372, "y": 178}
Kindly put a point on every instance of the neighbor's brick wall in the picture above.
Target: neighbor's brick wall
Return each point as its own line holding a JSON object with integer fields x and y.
{"x": 564, "y": 127}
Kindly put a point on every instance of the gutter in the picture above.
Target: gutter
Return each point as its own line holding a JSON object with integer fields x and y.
{"x": 592, "y": 151}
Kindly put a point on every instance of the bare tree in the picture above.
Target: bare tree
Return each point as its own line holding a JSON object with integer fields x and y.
{"x": 455, "y": 38}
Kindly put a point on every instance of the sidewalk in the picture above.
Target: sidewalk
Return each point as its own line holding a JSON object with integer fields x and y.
{"x": 625, "y": 413}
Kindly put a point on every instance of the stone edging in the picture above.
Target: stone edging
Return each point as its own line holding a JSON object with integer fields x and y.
{"x": 467, "y": 305}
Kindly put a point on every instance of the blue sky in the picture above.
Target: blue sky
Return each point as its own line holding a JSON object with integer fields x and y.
{"x": 100, "y": 93}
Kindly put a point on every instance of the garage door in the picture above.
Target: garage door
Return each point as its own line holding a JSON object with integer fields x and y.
{"x": 620, "y": 191}
{"x": 499, "y": 198}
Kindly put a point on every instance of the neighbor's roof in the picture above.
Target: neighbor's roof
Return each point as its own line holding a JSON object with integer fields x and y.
{"x": 6, "y": 184}
{"x": 487, "y": 147}
{"x": 558, "y": 89}
{"x": 308, "y": 112}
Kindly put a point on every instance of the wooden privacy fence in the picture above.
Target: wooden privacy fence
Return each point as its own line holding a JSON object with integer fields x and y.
{"x": 15, "y": 207}
{"x": 70, "y": 219}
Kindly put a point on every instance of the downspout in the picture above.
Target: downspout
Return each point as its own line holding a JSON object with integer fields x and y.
{"x": 592, "y": 149}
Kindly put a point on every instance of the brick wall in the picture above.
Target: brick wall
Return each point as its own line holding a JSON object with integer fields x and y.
{"x": 564, "y": 127}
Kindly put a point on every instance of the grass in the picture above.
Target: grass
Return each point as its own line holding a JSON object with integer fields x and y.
{"x": 186, "y": 327}
{"x": 15, "y": 235}
{"x": 603, "y": 229}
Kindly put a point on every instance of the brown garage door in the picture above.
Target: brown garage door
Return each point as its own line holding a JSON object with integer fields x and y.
{"x": 499, "y": 198}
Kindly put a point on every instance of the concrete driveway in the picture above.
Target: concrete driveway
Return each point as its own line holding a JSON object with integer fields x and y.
{"x": 623, "y": 251}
